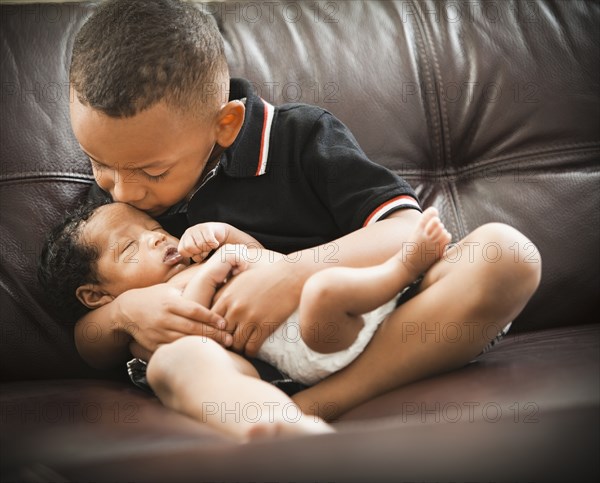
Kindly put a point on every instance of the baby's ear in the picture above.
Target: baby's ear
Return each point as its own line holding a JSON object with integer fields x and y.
{"x": 92, "y": 297}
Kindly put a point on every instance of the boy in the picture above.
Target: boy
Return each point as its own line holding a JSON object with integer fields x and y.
{"x": 169, "y": 133}
{"x": 78, "y": 266}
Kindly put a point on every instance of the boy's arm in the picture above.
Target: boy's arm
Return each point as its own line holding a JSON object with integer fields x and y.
{"x": 152, "y": 316}
{"x": 248, "y": 299}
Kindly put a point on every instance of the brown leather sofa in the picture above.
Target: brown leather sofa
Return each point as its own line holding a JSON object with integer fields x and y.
{"x": 489, "y": 108}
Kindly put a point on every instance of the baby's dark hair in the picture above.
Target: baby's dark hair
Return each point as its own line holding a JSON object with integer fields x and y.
{"x": 66, "y": 263}
{"x": 131, "y": 54}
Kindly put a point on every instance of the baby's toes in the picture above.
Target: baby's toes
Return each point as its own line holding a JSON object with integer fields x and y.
{"x": 433, "y": 228}
{"x": 428, "y": 214}
{"x": 444, "y": 237}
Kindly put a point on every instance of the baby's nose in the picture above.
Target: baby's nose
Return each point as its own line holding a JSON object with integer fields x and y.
{"x": 157, "y": 239}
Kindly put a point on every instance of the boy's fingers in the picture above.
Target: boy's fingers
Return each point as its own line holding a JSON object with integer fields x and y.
{"x": 244, "y": 336}
{"x": 251, "y": 349}
{"x": 194, "y": 312}
{"x": 194, "y": 319}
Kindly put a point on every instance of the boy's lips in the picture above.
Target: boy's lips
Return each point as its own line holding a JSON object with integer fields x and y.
{"x": 172, "y": 256}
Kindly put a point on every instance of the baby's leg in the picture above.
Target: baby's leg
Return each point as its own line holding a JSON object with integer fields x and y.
{"x": 333, "y": 300}
{"x": 196, "y": 376}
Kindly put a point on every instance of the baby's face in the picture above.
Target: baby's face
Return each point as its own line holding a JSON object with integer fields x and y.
{"x": 135, "y": 251}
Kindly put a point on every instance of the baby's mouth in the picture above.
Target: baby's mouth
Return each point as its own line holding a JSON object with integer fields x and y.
{"x": 172, "y": 256}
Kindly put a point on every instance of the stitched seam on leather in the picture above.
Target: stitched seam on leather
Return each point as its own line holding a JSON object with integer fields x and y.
{"x": 460, "y": 209}
{"x": 45, "y": 175}
{"x": 446, "y": 155}
{"x": 455, "y": 220}
{"x": 442, "y": 134}
{"x": 31, "y": 181}
{"x": 477, "y": 168}
{"x": 430, "y": 105}
{"x": 510, "y": 157}
{"x": 509, "y": 165}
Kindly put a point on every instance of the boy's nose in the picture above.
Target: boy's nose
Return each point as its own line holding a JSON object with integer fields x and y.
{"x": 127, "y": 192}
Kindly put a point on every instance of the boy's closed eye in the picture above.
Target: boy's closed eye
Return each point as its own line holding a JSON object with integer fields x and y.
{"x": 155, "y": 177}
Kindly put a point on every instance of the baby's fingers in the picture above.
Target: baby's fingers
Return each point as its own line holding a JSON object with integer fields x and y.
{"x": 194, "y": 244}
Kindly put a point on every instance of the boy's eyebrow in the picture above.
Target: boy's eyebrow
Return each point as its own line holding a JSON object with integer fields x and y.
{"x": 153, "y": 164}
{"x": 90, "y": 156}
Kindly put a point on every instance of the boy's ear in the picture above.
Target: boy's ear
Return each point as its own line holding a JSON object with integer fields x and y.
{"x": 229, "y": 122}
{"x": 90, "y": 296}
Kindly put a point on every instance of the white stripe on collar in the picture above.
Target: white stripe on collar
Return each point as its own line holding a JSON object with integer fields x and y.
{"x": 265, "y": 138}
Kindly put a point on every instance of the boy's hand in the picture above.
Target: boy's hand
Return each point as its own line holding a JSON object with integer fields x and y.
{"x": 159, "y": 314}
{"x": 199, "y": 240}
{"x": 257, "y": 301}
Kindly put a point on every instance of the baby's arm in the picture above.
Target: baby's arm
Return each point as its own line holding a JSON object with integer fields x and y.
{"x": 199, "y": 240}
{"x": 227, "y": 261}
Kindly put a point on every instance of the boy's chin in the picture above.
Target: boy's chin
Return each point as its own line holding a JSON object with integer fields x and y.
{"x": 154, "y": 212}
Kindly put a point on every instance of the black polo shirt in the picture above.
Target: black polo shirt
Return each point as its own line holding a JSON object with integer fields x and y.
{"x": 294, "y": 178}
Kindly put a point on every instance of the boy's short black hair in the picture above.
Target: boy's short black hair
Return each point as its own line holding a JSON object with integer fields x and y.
{"x": 131, "y": 54}
{"x": 66, "y": 263}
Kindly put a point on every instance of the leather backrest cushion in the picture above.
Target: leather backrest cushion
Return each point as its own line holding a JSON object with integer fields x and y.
{"x": 490, "y": 110}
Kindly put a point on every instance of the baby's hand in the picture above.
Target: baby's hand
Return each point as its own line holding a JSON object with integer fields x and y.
{"x": 199, "y": 240}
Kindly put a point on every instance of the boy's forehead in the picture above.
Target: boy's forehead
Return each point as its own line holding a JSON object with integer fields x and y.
{"x": 156, "y": 138}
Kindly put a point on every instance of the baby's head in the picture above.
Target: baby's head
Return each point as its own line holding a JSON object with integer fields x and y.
{"x": 101, "y": 251}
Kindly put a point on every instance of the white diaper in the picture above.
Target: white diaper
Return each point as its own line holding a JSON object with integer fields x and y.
{"x": 286, "y": 350}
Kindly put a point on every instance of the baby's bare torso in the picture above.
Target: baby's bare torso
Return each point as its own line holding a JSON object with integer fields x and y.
{"x": 253, "y": 256}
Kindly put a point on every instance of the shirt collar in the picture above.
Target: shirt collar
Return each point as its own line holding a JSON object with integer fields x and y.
{"x": 249, "y": 154}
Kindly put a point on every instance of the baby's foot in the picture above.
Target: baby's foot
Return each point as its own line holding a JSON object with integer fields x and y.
{"x": 426, "y": 244}
{"x": 305, "y": 426}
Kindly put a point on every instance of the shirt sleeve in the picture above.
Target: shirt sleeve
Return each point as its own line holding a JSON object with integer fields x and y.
{"x": 356, "y": 191}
